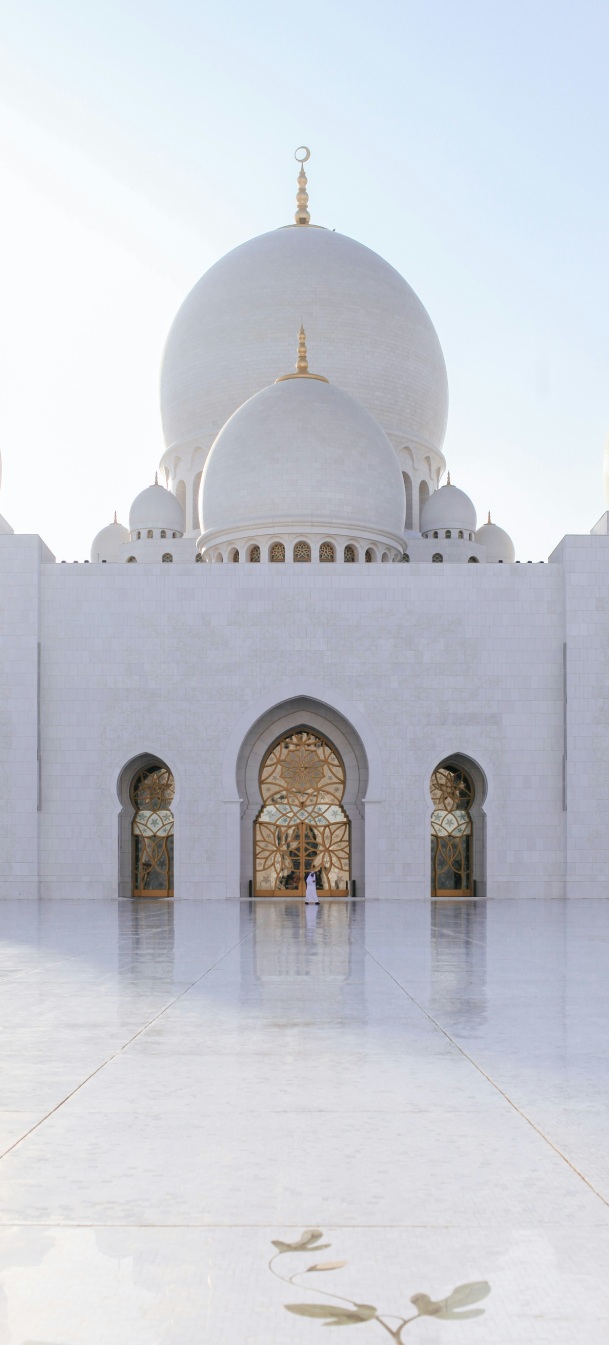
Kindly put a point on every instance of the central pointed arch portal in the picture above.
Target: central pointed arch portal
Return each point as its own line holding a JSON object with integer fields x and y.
{"x": 306, "y": 789}
{"x": 302, "y": 827}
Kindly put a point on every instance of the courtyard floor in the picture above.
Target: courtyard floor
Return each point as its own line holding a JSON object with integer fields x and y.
{"x": 420, "y": 1091}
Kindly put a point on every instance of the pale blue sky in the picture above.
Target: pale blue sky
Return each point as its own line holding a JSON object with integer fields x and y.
{"x": 466, "y": 142}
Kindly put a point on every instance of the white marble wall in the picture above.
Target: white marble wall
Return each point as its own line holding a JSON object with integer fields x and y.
{"x": 23, "y": 560}
{"x": 583, "y": 563}
{"x": 424, "y": 661}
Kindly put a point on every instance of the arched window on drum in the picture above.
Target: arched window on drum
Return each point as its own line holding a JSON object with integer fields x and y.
{"x": 452, "y": 842}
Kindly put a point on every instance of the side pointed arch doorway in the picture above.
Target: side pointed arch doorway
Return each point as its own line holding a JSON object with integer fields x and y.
{"x": 151, "y": 793}
{"x": 302, "y": 826}
{"x": 458, "y": 828}
{"x": 452, "y": 794}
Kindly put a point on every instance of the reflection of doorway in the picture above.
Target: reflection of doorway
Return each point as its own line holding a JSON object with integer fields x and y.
{"x": 452, "y": 794}
{"x": 302, "y": 826}
{"x": 152, "y": 790}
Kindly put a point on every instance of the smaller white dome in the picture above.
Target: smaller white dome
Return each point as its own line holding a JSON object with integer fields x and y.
{"x": 303, "y": 455}
{"x": 107, "y": 544}
{"x": 448, "y": 507}
{"x": 499, "y": 545}
{"x": 156, "y": 508}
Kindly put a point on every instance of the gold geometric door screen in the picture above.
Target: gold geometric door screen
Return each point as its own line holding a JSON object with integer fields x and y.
{"x": 452, "y": 795}
{"x": 301, "y": 826}
{"x": 152, "y": 791}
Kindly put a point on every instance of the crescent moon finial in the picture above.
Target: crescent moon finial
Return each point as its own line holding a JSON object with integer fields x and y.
{"x": 302, "y": 216}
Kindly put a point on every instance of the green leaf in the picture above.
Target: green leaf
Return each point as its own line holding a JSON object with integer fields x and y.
{"x": 326, "y": 1265}
{"x": 308, "y": 1241}
{"x": 320, "y": 1310}
{"x": 363, "y": 1312}
{"x": 450, "y": 1316}
{"x": 366, "y": 1311}
{"x": 465, "y": 1294}
{"x": 448, "y": 1309}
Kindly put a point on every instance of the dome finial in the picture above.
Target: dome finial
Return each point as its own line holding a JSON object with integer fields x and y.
{"x": 448, "y": 479}
{"x": 489, "y": 516}
{"x": 302, "y": 216}
{"x": 115, "y": 518}
{"x": 302, "y": 362}
{"x": 156, "y": 478}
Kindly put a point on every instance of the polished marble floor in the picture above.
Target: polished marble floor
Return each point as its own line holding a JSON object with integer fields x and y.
{"x": 420, "y": 1089}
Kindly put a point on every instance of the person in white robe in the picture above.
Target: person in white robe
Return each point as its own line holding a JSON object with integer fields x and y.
{"x": 311, "y": 889}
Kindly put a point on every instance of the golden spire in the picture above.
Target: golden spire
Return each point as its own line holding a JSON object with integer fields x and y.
{"x": 302, "y": 216}
{"x": 302, "y": 362}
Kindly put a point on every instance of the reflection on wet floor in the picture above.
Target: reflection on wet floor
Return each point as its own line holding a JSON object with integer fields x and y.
{"x": 458, "y": 959}
{"x": 427, "y": 1082}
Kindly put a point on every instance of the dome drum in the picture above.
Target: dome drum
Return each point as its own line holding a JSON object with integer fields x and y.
{"x": 301, "y": 545}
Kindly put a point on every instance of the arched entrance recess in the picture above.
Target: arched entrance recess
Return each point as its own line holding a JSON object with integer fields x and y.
{"x": 330, "y": 725}
{"x": 458, "y": 833}
{"x": 302, "y": 827}
{"x": 146, "y": 837}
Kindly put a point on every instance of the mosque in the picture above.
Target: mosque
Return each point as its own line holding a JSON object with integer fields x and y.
{"x": 304, "y": 654}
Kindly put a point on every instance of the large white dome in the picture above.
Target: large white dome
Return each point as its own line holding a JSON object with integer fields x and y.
{"x": 302, "y": 457}
{"x": 371, "y": 335}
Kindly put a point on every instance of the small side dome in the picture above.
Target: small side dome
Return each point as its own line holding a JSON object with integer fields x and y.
{"x": 448, "y": 507}
{"x": 107, "y": 544}
{"x": 154, "y": 509}
{"x": 499, "y": 545}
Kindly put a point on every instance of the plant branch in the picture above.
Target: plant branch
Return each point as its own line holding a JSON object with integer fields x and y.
{"x": 404, "y": 1321}
{"x": 275, "y": 1272}
{"x": 311, "y": 1288}
{"x": 323, "y": 1292}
